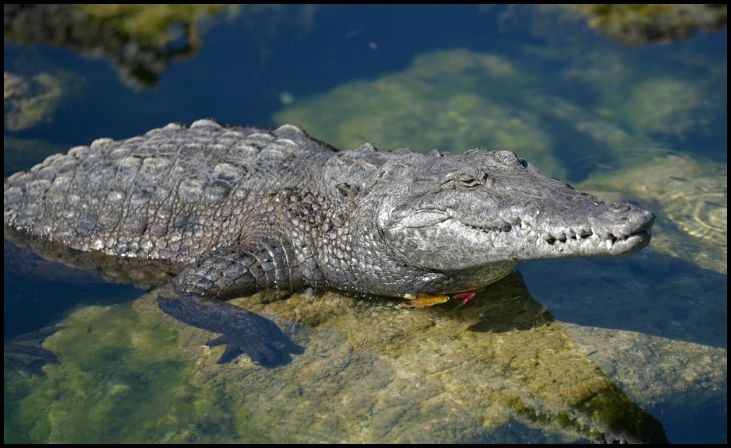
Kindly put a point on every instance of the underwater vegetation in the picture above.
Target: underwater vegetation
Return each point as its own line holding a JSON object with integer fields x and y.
{"x": 458, "y": 99}
{"x": 452, "y": 100}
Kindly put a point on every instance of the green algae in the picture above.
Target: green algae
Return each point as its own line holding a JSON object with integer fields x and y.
{"x": 121, "y": 378}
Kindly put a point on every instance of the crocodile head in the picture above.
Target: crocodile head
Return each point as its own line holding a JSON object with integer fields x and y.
{"x": 456, "y": 212}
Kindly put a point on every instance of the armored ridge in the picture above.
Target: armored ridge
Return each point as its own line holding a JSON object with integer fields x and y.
{"x": 173, "y": 193}
{"x": 243, "y": 209}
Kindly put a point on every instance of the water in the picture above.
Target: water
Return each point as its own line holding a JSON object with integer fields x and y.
{"x": 557, "y": 354}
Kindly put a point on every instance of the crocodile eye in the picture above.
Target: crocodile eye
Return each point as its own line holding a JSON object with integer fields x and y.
{"x": 468, "y": 181}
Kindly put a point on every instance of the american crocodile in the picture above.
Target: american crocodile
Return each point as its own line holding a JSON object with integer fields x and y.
{"x": 232, "y": 210}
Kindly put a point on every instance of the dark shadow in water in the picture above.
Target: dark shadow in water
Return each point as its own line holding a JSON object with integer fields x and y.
{"x": 706, "y": 424}
{"x": 647, "y": 292}
{"x": 507, "y": 307}
{"x": 38, "y": 292}
{"x": 242, "y": 331}
{"x": 26, "y": 352}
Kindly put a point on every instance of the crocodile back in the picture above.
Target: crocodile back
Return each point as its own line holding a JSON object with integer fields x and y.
{"x": 173, "y": 193}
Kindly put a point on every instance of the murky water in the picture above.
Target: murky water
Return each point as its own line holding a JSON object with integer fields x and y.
{"x": 584, "y": 349}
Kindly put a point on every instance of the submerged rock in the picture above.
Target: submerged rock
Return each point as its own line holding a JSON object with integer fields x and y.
{"x": 615, "y": 105}
{"x": 371, "y": 372}
{"x": 453, "y": 100}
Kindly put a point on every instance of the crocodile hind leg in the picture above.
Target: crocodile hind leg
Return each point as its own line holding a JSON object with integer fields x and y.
{"x": 227, "y": 273}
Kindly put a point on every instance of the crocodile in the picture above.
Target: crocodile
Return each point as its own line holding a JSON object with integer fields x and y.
{"x": 225, "y": 211}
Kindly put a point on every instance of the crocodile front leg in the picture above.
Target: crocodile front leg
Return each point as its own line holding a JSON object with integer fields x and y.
{"x": 227, "y": 273}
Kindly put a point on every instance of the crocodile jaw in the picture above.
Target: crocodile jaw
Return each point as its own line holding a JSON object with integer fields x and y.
{"x": 435, "y": 239}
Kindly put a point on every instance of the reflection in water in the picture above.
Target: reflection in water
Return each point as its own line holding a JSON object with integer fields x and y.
{"x": 28, "y": 101}
{"x": 140, "y": 40}
{"x": 640, "y": 24}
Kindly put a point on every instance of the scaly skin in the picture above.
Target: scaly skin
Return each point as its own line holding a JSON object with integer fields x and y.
{"x": 241, "y": 209}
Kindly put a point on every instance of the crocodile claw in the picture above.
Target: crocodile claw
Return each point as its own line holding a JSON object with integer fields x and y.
{"x": 467, "y": 296}
{"x": 243, "y": 331}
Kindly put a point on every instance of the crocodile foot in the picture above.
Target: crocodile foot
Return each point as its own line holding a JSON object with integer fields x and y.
{"x": 243, "y": 331}
{"x": 466, "y": 296}
{"x": 423, "y": 301}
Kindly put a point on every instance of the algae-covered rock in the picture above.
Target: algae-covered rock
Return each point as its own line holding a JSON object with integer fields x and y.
{"x": 498, "y": 369}
{"x": 637, "y": 361}
{"x": 371, "y": 372}
{"x": 640, "y": 23}
{"x": 689, "y": 197}
{"x": 120, "y": 377}
{"x": 451, "y": 100}
{"x": 433, "y": 373}
{"x": 30, "y": 100}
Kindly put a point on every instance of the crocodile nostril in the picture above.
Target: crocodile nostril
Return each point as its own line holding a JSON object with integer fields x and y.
{"x": 620, "y": 208}
{"x": 507, "y": 158}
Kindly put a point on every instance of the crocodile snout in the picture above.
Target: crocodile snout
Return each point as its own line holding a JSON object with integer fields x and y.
{"x": 621, "y": 220}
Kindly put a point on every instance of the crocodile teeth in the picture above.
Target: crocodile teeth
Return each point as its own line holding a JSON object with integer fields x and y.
{"x": 608, "y": 244}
